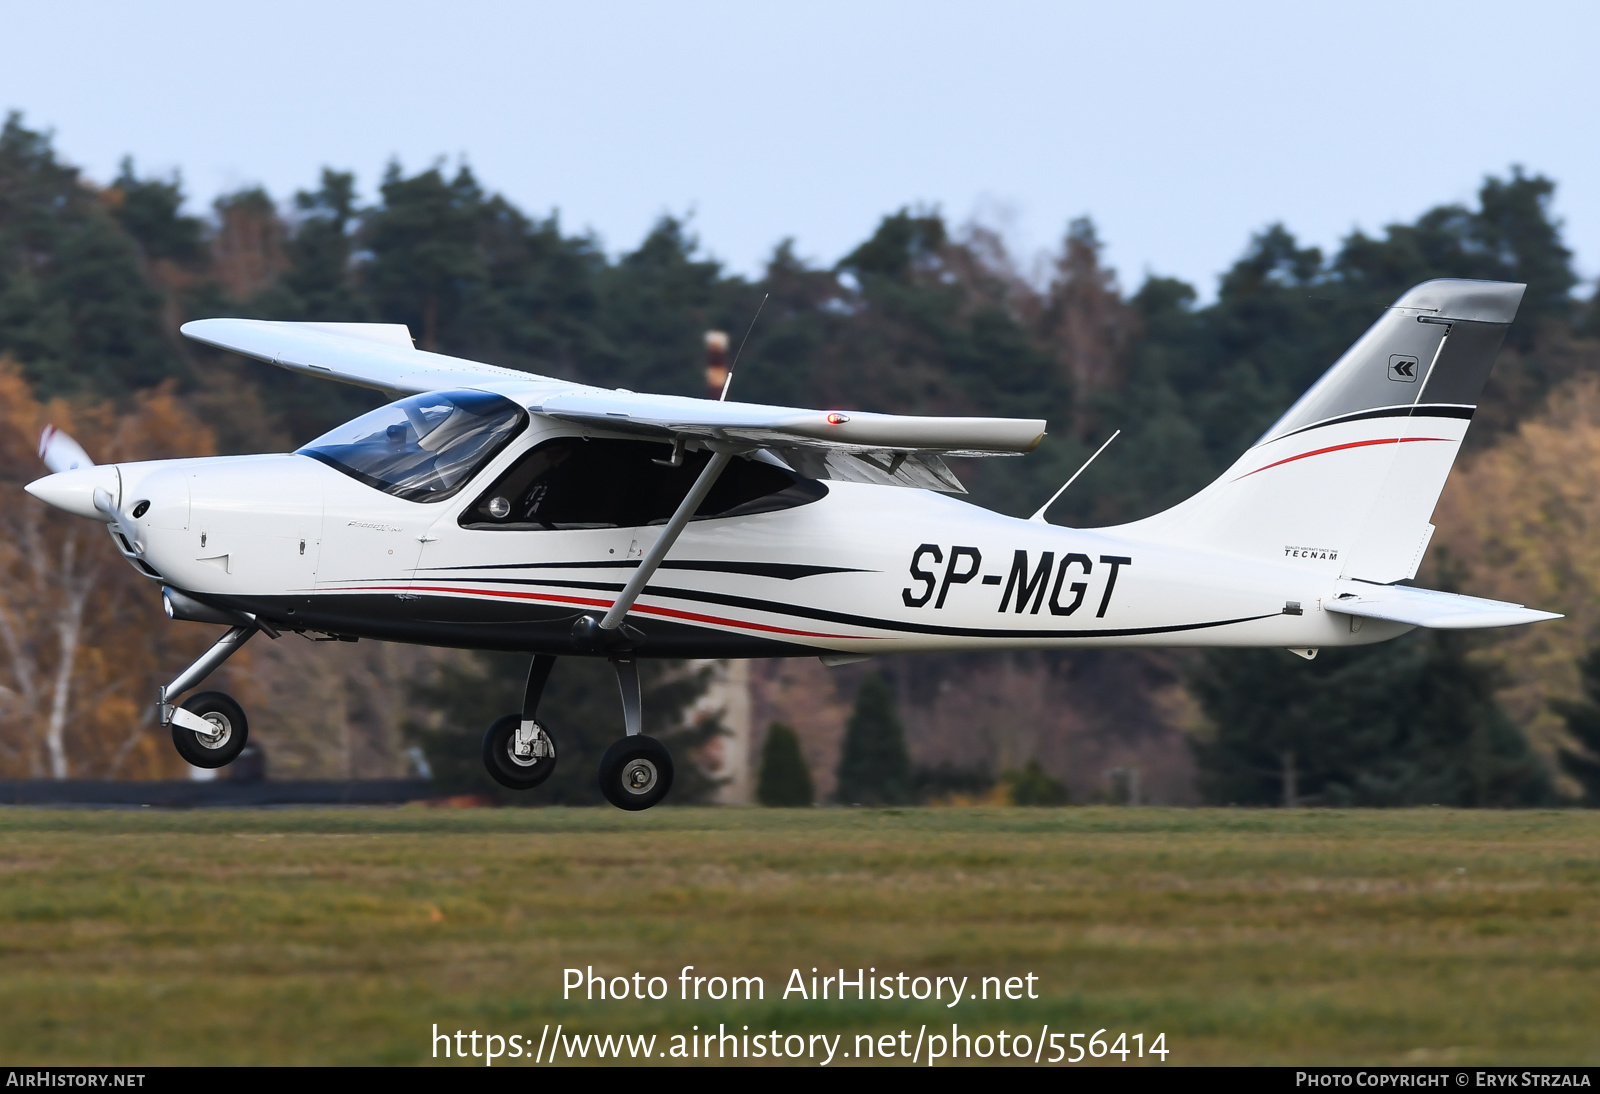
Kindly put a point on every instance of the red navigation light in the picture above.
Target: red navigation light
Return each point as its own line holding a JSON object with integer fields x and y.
{"x": 838, "y": 419}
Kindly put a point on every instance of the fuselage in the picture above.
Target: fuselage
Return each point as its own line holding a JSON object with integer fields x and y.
{"x": 841, "y": 567}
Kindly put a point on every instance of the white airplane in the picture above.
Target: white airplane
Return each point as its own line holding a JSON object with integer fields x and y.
{"x": 494, "y": 509}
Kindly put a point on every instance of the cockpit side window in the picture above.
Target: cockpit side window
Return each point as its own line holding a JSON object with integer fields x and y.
{"x": 574, "y": 482}
{"x": 424, "y": 448}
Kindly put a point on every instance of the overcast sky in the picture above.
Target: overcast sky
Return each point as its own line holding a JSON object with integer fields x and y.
{"x": 1179, "y": 128}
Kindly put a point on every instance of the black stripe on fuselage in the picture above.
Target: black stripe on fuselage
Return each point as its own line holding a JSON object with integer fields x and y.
{"x": 478, "y": 624}
{"x": 784, "y": 571}
{"x": 823, "y": 615}
{"x": 1424, "y": 410}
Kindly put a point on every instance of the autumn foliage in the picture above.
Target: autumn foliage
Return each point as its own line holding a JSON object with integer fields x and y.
{"x": 1521, "y": 522}
{"x": 83, "y": 640}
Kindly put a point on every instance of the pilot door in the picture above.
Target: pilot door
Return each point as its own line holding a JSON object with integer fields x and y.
{"x": 535, "y": 549}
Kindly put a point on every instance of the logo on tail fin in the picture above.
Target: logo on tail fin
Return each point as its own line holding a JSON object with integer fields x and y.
{"x": 1403, "y": 369}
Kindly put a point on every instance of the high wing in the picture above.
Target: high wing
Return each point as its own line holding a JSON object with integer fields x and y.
{"x": 1429, "y": 608}
{"x": 888, "y": 449}
{"x": 375, "y": 355}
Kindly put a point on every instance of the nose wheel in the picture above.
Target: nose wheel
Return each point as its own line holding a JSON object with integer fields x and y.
{"x": 519, "y": 754}
{"x": 636, "y": 773}
{"x": 228, "y": 730}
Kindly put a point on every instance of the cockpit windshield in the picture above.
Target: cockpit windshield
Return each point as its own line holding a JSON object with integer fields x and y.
{"x": 423, "y": 448}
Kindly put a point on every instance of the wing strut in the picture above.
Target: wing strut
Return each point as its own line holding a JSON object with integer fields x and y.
{"x": 669, "y": 535}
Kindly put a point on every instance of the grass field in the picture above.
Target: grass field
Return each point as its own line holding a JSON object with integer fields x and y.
{"x": 342, "y": 936}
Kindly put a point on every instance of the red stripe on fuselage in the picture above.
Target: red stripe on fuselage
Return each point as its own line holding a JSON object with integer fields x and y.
{"x": 1338, "y": 448}
{"x": 592, "y": 602}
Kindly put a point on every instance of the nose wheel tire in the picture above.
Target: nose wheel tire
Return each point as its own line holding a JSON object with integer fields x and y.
{"x": 220, "y": 748}
{"x": 636, "y": 773}
{"x": 518, "y": 765}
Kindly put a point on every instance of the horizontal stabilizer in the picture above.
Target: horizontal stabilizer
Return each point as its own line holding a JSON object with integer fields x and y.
{"x": 1429, "y": 608}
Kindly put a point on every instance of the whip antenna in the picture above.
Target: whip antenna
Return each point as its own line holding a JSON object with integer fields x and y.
{"x": 742, "y": 341}
{"x": 1039, "y": 516}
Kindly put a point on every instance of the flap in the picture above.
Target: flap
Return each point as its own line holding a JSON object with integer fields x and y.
{"x": 886, "y": 449}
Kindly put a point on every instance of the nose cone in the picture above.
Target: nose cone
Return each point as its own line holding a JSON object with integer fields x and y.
{"x": 74, "y": 491}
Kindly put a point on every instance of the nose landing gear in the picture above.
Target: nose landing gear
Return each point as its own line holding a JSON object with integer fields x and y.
{"x": 209, "y": 729}
{"x": 223, "y": 739}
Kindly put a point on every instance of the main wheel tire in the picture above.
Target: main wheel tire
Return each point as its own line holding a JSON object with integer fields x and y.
{"x": 505, "y": 766}
{"x": 636, "y": 773}
{"x": 232, "y": 731}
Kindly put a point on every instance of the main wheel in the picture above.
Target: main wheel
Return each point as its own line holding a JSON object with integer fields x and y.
{"x": 636, "y": 773}
{"x": 220, "y": 748}
{"x": 517, "y": 769}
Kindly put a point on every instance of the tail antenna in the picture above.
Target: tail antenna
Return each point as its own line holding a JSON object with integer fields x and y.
{"x": 725, "y": 384}
{"x": 1039, "y": 516}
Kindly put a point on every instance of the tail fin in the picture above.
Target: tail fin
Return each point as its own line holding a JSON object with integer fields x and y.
{"x": 1346, "y": 481}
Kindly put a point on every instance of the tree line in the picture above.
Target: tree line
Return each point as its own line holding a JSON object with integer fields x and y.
{"x": 922, "y": 317}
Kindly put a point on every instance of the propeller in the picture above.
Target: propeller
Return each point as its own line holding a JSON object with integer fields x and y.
{"x": 75, "y": 484}
{"x": 60, "y": 452}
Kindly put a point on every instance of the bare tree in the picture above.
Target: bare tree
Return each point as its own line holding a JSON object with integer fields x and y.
{"x": 1085, "y": 320}
{"x": 82, "y": 639}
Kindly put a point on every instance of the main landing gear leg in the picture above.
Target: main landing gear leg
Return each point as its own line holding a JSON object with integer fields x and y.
{"x": 628, "y": 683}
{"x": 209, "y": 729}
{"x": 636, "y": 772}
{"x": 518, "y": 750}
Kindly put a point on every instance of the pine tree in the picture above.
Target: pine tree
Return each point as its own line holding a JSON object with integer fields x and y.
{"x": 874, "y": 767}
{"x": 785, "y": 780}
{"x": 424, "y": 239}
{"x": 1583, "y": 725}
{"x": 151, "y": 211}
{"x": 75, "y": 305}
{"x": 318, "y": 281}
{"x": 1033, "y": 786}
{"x": 1409, "y": 722}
